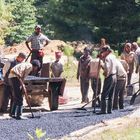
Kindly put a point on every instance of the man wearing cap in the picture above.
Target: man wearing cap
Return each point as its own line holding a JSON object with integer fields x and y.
{"x": 83, "y": 74}
{"x": 110, "y": 79}
{"x": 18, "y": 73}
{"x": 38, "y": 41}
{"x": 7, "y": 93}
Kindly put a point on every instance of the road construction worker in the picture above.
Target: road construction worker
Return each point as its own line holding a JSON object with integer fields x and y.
{"x": 94, "y": 74}
{"x": 110, "y": 79}
{"x": 17, "y": 73}
{"x": 136, "y": 50}
{"x": 128, "y": 56}
{"x": 83, "y": 74}
{"x": 120, "y": 86}
{"x": 7, "y": 93}
{"x": 38, "y": 42}
{"x": 56, "y": 71}
{"x": 56, "y": 66}
{"x": 103, "y": 42}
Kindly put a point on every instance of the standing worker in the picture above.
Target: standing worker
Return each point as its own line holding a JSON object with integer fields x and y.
{"x": 17, "y": 73}
{"x": 56, "y": 66}
{"x": 110, "y": 80}
{"x": 7, "y": 93}
{"x": 128, "y": 56}
{"x": 56, "y": 71}
{"x": 38, "y": 42}
{"x": 94, "y": 74}
{"x": 83, "y": 74}
{"x": 136, "y": 49}
{"x": 120, "y": 86}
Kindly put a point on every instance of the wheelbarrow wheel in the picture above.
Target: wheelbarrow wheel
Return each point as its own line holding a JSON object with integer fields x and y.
{"x": 53, "y": 99}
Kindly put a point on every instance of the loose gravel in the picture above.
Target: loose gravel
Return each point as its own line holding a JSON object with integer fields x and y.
{"x": 57, "y": 124}
{"x": 61, "y": 124}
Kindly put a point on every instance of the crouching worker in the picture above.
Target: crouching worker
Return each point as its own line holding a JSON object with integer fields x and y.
{"x": 17, "y": 73}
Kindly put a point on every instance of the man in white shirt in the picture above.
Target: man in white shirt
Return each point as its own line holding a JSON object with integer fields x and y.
{"x": 110, "y": 79}
{"x": 120, "y": 86}
{"x": 17, "y": 73}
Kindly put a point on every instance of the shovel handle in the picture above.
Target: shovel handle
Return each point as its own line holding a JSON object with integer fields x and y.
{"x": 26, "y": 95}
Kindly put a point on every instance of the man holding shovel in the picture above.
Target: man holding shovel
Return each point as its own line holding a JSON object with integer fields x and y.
{"x": 17, "y": 75}
{"x": 110, "y": 71}
{"x": 38, "y": 42}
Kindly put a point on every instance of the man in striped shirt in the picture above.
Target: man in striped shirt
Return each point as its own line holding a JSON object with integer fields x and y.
{"x": 38, "y": 42}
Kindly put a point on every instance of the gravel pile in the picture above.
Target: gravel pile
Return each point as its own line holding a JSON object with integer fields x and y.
{"x": 56, "y": 124}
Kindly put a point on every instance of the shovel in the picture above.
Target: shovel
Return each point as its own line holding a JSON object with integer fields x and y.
{"x": 94, "y": 99}
{"x": 27, "y": 99}
{"x": 28, "y": 56}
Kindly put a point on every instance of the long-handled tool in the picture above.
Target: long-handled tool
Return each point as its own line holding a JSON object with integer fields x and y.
{"x": 97, "y": 84}
{"x": 28, "y": 56}
{"x": 132, "y": 100}
{"x": 83, "y": 107}
{"x": 27, "y": 99}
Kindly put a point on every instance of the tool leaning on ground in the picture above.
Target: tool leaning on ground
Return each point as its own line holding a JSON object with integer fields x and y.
{"x": 132, "y": 100}
{"x": 27, "y": 99}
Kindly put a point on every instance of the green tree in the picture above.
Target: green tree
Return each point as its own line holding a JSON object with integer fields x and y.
{"x": 41, "y": 11}
{"x": 24, "y": 20}
{"x": 5, "y": 17}
{"x": 117, "y": 20}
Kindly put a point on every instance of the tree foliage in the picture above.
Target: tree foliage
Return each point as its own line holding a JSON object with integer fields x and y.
{"x": 24, "y": 20}
{"x": 89, "y": 20}
{"x": 116, "y": 20}
{"x": 5, "y": 17}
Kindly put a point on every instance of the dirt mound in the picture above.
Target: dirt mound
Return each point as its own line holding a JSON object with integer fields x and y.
{"x": 49, "y": 49}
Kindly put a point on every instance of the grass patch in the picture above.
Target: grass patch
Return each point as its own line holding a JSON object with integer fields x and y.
{"x": 131, "y": 131}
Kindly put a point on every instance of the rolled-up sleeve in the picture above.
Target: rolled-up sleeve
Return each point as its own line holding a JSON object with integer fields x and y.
{"x": 6, "y": 68}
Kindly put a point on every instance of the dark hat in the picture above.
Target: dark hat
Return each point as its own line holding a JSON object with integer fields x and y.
{"x": 105, "y": 48}
{"x": 35, "y": 62}
{"x": 87, "y": 49}
{"x": 22, "y": 55}
{"x": 38, "y": 27}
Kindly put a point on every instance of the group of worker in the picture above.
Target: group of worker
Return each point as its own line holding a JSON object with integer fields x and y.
{"x": 117, "y": 75}
{"x": 16, "y": 69}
